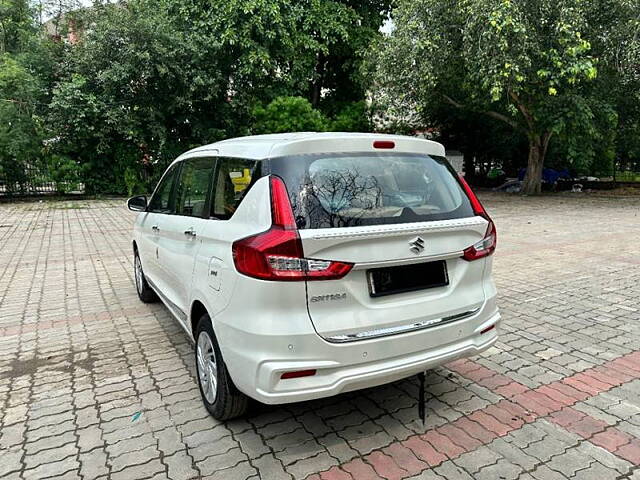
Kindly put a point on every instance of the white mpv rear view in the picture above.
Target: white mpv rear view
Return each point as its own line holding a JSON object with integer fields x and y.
{"x": 304, "y": 265}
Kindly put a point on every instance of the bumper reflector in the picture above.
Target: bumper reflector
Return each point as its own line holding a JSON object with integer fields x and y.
{"x": 298, "y": 374}
{"x": 488, "y": 329}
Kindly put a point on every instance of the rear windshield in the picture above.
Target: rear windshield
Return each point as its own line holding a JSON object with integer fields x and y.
{"x": 344, "y": 190}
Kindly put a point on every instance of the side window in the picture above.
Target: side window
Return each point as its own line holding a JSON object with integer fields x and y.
{"x": 193, "y": 187}
{"x": 162, "y": 201}
{"x": 233, "y": 178}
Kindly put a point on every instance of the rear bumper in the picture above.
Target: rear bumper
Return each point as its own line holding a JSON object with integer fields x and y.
{"x": 256, "y": 363}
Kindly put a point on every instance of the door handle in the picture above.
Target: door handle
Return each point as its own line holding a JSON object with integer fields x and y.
{"x": 191, "y": 232}
{"x": 155, "y": 228}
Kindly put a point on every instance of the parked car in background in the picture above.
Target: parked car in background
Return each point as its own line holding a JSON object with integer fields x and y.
{"x": 308, "y": 264}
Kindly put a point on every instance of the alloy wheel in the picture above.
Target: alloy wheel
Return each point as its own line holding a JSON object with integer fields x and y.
{"x": 207, "y": 367}
{"x": 139, "y": 276}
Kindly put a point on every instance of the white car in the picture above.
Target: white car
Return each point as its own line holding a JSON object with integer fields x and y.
{"x": 308, "y": 264}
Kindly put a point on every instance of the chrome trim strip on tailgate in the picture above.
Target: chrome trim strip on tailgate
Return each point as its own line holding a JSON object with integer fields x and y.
{"x": 392, "y": 229}
{"x": 383, "y": 332}
{"x": 408, "y": 261}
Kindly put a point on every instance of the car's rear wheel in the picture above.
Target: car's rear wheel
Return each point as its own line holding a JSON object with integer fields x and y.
{"x": 220, "y": 396}
{"x": 145, "y": 292}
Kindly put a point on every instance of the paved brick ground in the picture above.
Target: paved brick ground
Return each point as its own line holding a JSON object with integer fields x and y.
{"x": 94, "y": 384}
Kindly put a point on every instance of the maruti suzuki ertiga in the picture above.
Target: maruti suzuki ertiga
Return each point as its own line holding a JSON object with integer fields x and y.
{"x": 308, "y": 264}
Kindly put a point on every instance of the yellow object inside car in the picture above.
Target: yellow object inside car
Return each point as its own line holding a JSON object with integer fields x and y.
{"x": 240, "y": 179}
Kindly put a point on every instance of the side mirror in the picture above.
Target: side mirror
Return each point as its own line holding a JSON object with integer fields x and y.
{"x": 137, "y": 204}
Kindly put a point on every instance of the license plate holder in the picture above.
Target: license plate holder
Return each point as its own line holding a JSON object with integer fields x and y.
{"x": 407, "y": 278}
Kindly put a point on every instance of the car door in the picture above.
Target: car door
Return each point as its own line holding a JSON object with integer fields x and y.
{"x": 181, "y": 237}
{"x": 214, "y": 267}
{"x": 152, "y": 222}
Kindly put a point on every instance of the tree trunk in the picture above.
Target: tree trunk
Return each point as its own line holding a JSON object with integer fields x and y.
{"x": 532, "y": 183}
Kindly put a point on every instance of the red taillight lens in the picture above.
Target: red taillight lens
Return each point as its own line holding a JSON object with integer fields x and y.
{"x": 277, "y": 253}
{"x": 478, "y": 209}
{"x": 281, "y": 211}
{"x": 487, "y": 245}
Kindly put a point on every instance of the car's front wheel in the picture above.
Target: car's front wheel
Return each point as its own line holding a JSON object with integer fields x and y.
{"x": 221, "y": 397}
{"x": 145, "y": 292}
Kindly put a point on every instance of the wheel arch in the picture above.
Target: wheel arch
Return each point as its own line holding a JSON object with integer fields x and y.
{"x": 197, "y": 310}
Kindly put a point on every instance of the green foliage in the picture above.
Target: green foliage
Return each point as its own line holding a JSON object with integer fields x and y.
{"x": 132, "y": 93}
{"x": 134, "y": 183}
{"x": 288, "y": 114}
{"x": 152, "y": 78}
{"x": 531, "y": 65}
{"x": 353, "y": 117}
{"x": 64, "y": 172}
{"x": 585, "y": 140}
{"x": 286, "y": 47}
{"x": 16, "y": 25}
{"x": 20, "y": 130}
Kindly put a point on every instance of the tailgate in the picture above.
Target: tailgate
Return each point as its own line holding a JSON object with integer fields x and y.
{"x": 416, "y": 296}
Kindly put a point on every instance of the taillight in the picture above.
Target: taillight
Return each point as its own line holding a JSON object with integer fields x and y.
{"x": 277, "y": 254}
{"x": 484, "y": 247}
{"x": 478, "y": 209}
{"x": 487, "y": 245}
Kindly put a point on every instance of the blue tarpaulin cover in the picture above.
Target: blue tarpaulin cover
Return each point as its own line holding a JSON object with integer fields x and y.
{"x": 549, "y": 175}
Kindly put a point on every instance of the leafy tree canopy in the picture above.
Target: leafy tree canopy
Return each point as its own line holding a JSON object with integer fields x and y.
{"x": 20, "y": 131}
{"x": 16, "y": 25}
{"x": 152, "y": 78}
{"x": 530, "y": 65}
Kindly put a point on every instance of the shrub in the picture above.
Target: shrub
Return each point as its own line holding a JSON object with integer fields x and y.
{"x": 64, "y": 172}
{"x": 288, "y": 114}
{"x": 354, "y": 117}
{"x": 134, "y": 183}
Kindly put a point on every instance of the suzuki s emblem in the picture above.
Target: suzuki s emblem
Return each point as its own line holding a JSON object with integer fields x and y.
{"x": 416, "y": 245}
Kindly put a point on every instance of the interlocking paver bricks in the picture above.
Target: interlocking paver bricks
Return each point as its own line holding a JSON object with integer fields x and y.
{"x": 270, "y": 467}
{"x": 476, "y": 459}
{"x": 337, "y": 447}
{"x": 93, "y": 464}
{"x": 179, "y": 466}
{"x": 307, "y": 466}
{"x": 570, "y": 462}
{"x": 451, "y": 470}
{"x": 80, "y": 356}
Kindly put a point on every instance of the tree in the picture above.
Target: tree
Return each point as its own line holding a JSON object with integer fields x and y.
{"x": 337, "y": 77}
{"x": 20, "y": 130}
{"x": 614, "y": 27}
{"x": 152, "y": 78}
{"x": 16, "y": 25}
{"x": 522, "y": 63}
{"x": 137, "y": 91}
{"x": 308, "y": 48}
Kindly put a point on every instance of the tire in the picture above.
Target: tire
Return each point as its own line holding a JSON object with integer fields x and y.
{"x": 222, "y": 398}
{"x": 145, "y": 292}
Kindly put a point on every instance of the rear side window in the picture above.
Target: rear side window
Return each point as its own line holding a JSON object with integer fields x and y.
{"x": 233, "y": 178}
{"x": 341, "y": 190}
